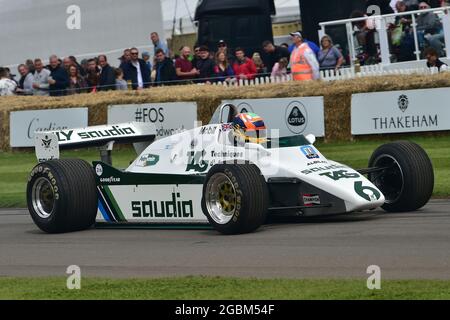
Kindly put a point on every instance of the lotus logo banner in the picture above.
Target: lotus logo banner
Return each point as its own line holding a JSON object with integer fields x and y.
{"x": 291, "y": 116}
{"x": 296, "y": 117}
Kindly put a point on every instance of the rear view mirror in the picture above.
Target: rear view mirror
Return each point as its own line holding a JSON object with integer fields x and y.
{"x": 311, "y": 138}
{"x": 227, "y": 113}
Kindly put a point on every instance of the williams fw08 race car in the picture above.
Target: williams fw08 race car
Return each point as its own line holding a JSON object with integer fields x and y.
{"x": 230, "y": 174}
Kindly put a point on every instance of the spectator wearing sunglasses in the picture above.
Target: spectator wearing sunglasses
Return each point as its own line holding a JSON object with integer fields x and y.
{"x": 136, "y": 71}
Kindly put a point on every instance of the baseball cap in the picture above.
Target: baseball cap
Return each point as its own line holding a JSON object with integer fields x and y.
{"x": 204, "y": 49}
{"x": 296, "y": 34}
{"x": 221, "y": 42}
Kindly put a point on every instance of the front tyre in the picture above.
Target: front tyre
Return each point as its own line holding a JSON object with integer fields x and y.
{"x": 62, "y": 195}
{"x": 235, "y": 198}
{"x": 407, "y": 181}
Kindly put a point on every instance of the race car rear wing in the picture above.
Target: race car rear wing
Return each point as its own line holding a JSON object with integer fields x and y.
{"x": 49, "y": 144}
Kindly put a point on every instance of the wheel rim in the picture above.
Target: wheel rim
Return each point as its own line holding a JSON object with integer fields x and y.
{"x": 220, "y": 198}
{"x": 43, "y": 198}
{"x": 390, "y": 181}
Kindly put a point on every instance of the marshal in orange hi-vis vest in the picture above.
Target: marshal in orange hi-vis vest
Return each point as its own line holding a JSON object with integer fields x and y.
{"x": 301, "y": 70}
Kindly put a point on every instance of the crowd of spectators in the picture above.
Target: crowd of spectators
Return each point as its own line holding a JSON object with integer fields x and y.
{"x": 303, "y": 59}
{"x": 67, "y": 76}
{"x": 401, "y": 36}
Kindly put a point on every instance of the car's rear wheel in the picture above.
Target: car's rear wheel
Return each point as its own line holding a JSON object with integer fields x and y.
{"x": 407, "y": 180}
{"x": 235, "y": 198}
{"x": 62, "y": 195}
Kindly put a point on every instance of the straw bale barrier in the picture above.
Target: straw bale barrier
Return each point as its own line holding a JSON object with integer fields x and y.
{"x": 337, "y": 97}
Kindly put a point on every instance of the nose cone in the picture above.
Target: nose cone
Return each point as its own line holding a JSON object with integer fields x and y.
{"x": 347, "y": 184}
{"x": 343, "y": 182}
{"x": 367, "y": 197}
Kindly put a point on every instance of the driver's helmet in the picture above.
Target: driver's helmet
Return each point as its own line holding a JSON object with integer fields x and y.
{"x": 249, "y": 127}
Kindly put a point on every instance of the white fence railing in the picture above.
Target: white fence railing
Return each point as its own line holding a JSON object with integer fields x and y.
{"x": 332, "y": 75}
{"x": 373, "y": 71}
{"x": 254, "y": 82}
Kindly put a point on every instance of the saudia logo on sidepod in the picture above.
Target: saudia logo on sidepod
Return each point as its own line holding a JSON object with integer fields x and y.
{"x": 114, "y": 132}
{"x": 296, "y": 117}
{"x": 174, "y": 208}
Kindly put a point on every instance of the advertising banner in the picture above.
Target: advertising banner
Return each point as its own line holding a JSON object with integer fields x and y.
{"x": 169, "y": 118}
{"x": 23, "y": 124}
{"x": 292, "y": 116}
{"x": 400, "y": 111}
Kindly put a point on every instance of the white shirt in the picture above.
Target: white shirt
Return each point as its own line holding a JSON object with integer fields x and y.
{"x": 139, "y": 74}
{"x": 41, "y": 78}
{"x": 7, "y": 87}
{"x": 444, "y": 68}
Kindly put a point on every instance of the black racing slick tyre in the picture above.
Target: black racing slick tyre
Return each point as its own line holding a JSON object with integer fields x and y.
{"x": 407, "y": 181}
{"x": 62, "y": 195}
{"x": 235, "y": 198}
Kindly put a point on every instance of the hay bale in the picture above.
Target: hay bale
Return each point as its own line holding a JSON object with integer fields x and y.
{"x": 4, "y": 135}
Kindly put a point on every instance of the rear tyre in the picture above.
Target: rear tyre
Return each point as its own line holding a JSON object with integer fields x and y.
{"x": 408, "y": 181}
{"x": 62, "y": 195}
{"x": 235, "y": 198}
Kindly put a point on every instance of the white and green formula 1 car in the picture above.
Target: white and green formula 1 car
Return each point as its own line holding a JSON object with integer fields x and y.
{"x": 209, "y": 175}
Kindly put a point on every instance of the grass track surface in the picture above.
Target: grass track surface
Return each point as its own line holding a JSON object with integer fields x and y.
{"x": 15, "y": 166}
{"x": 211, "y": 288}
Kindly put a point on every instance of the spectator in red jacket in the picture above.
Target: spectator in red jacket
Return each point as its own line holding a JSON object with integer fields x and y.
{"x": 244, "y": 68}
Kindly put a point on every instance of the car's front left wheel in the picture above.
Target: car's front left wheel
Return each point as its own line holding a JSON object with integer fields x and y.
{"x": 235, "y": 198}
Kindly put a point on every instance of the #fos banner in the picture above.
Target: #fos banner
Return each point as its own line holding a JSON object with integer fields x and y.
{"x": 169, "y": 118}
{"x": 24, "y": 124}
{"x": 400, "y": 111}
{"x": 292, "y": 116}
